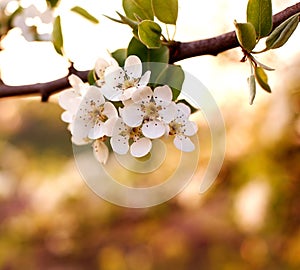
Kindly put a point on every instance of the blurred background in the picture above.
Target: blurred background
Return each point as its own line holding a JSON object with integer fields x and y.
{"x": 249, "y": 218}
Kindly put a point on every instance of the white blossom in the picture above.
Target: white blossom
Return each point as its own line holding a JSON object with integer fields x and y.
{"x": 131, "y": 139}
{"x": 34, "y": 24}
{"x": 70, "y": 99}
{"x": 95, "y": 118}
{"x": 121, "y": 83}
{"x": 151, "y": 109}
{"x": 181, "y": 127}
{"x": 100, "y": 66}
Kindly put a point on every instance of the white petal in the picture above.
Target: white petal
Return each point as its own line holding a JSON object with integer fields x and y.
{"x": 100, "y": 67}
{"x": 80, "y": 141}
{"x": 100, "y": 151}
{"x": 81, "y": 128}
{"x": 133, "y": 66}
{"x": 153, "y": 129}
{"x": 111, "y": 93}
{"x": 168, "y": 113}
{"x": 127, "y": 94}
{"x": 110, "y": 110}
{"x": 67, "y": 117}
{"x": 65, "y": 98}
{"x": 142, "y": 95}
{"x": 141, "y": 147}
{"x": 114, "y": 76}
{"x": 163, "y": 95}
{"x": 144, "y": 79}
{"x": 82, "y": 122}
{"x": 110, "y": 126}
{"x": 184, "y": 109}
{"x": 75, "y": 82}
{"x": 119, "y": 144}
{"x": 97, "y": 131}
{"x": 119, "y": 127}
{"x": 132, "y": 115}
{"x": 184, "y": 143}
{"x": 94, "y": 93}
{"x": 190, "y": 128}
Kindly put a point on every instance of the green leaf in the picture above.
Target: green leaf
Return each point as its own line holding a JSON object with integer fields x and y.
{"x": 128, "y": 21}
{"x": 91, "y": 77}
{"x": 57, "y": 37}
{"x": 149, "y": 33}
{"x": 246, "y": 36}
{"x": 262, "y": 78}
{"x": 52, "y": 3}
{"x": 81, "y": 11}
{"x": 141, "y": 8}
{"x": 282, "y": 33}
{"x": 166, "y": 11}
{"x": 135, "y": 47}
{"x": 252, "y": 88}
{"x": 259, "y": 13}
{"x": 120, "y": 55}
{"x": 173, "y": 76}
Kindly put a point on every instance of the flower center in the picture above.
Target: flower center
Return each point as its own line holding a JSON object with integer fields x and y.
{"x": 175, "y": 128}
{"x": 96, "y": 113}
{"x": 151, "y": 110}
{"x": 135, "y": 133}
{"x": 129, "y": 83}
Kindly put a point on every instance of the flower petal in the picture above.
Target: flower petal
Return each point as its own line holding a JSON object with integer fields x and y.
{"x": 100, "y": 151}
{"x": 120, "y": 144}
{"x": 109, "y": 126}
{"x": 75, "y": 82}
{"x": 127, "y": 93}
{"x": 67, "y": 117}
{"x": 190, "y": 128}
{"x": 168, "y": 113}
{"x": 111, "y": 92}
{"x": 80, "y": 141}
{"x": 114, "y": 76}
{"x": 132, "y": 115}
{"x": 142, "y": 95}
{"x": 184, "y": 109}
{"x": 100, "y": 67}
{"x": 97, "y": 131}
{"x": 144, "y": 79}
{"x": 119, "y": 127}
{"x": 141, "y": 147}
{"x": 133, "y": 67}
{"x": 83, "y": 122}
{"x": 110, "y": 110}
{"x": 65, "y": 98}
{"x": 153, "y": 129}
{"x": 184, "y": 143}
{"x": 163, "y": 95}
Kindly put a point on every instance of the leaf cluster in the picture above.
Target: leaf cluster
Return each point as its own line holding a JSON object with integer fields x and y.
{"x": 140, "y": 16}
{"x": 259, "y": 25}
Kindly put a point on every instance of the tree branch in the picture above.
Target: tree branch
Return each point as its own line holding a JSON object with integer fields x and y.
{"x": 45, "y": 90}
{"x": 178, "y": 51}
{"x": 221, "y": 43}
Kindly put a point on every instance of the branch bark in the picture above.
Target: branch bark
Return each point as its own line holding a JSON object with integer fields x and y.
{"x": 45, "y": 90}
{"x": 215, "y": 45}
{"x": 178, "y": 51}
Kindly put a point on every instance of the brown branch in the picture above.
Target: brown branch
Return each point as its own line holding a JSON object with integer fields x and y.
{"x": 178, "y": 51}
{"x": 221, "y": 43}
{"x": 45, "y": 90}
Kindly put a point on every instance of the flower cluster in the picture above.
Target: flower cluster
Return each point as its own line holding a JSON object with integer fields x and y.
{"x": 120, "y": 108}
